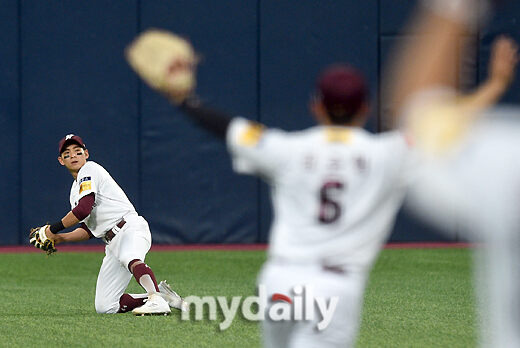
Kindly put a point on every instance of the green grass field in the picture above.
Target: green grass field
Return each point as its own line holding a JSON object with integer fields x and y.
{"x": 415, "y": 298}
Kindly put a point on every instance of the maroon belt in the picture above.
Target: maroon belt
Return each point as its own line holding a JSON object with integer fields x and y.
{"x": 111, "y": 233}
{"x": 334, "y": 269}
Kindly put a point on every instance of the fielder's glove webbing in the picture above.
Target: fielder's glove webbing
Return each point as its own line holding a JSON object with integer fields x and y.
{"x": 165, "y": 61}
{"x": 39, "y": 239}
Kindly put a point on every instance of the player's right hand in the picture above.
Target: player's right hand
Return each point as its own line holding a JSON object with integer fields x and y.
{"x": 504, "y": 58}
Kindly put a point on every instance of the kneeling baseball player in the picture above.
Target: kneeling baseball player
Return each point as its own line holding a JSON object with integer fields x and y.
{"x": 104, "y": 211}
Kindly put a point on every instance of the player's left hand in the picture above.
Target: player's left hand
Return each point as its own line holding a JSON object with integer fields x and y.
{"x": 166, "y": 62}
{"x": 39, "y": 239}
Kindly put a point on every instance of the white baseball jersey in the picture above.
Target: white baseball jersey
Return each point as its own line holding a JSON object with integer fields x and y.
{"x": 111, "y": 203}
{"x": 476, "y": 188}
{"x": 335, "y": 190}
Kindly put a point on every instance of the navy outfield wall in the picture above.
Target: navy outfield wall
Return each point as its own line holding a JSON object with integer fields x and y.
{"x": 63, "y": 70}
{"x": 10, "y": 123}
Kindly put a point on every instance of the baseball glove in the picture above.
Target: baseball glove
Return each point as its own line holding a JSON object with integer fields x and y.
{"x": 39, "y": 239}
{"x": 165, "y": 61}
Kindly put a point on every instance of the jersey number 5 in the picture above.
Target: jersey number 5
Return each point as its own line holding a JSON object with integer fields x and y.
{"x": 330, "y": 209}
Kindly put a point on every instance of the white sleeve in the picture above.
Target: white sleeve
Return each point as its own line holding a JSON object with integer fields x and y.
{"x": 400, "y": 161}
{"x": 255, "y": 149}
{"x": 437, "y": 122}
{"x": 440, "y": 195}
{"x": 88, "y": 180}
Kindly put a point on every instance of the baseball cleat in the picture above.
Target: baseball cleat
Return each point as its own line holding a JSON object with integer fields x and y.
{"x": 173, "y": 298}
{"x": 154, "y": 304}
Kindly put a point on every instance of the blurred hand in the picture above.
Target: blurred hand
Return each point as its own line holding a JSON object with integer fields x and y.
{"x": 504, "y": 58}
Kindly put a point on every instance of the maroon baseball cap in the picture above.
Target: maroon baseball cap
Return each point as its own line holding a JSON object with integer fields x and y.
{"x": 342, "y": 89}
{"x": 69, "y": 139}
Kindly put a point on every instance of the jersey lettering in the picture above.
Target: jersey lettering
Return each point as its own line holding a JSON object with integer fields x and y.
{"x": 330, "y": 209}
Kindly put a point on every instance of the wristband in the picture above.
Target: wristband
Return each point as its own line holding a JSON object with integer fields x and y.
{"x": 56, "y": 227}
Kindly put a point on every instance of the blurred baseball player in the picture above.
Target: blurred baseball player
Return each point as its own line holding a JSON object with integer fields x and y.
{"x": 104, "y": 211}
{"x": 335, "y": 190}
{"x": 472, "y": 174}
